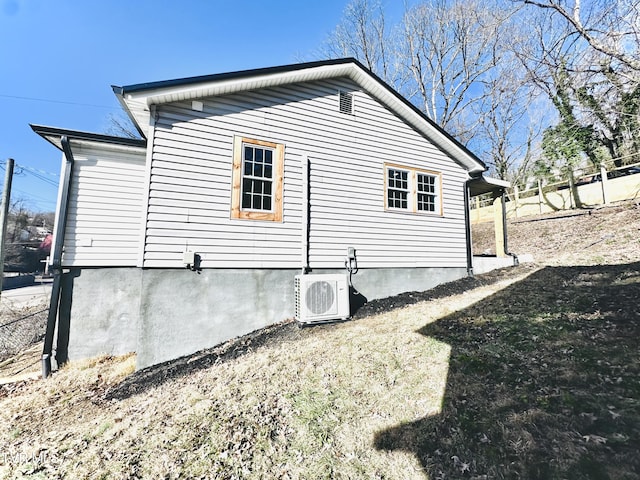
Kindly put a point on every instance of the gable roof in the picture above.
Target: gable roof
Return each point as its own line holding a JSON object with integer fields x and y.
{"x": 136, "y": 99}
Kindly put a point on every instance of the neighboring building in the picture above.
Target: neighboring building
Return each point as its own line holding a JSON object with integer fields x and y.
{"x": 248, "y": 179}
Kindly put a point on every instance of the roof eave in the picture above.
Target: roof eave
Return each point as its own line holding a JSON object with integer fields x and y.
{"x": 137, "y": 99}
{"x": 118, "y": 91}
{"x": 54, "y": 135}
{"x": 482, "y": 185}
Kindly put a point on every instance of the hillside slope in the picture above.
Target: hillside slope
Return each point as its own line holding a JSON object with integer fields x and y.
{"x": 609, "y": 234}
{"x": 530, "y": 372}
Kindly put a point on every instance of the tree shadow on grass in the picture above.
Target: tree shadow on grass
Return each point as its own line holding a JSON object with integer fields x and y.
{"x": 543, "y": 382}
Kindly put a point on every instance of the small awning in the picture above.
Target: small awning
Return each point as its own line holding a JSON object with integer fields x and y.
{"x": 482, "y": 185}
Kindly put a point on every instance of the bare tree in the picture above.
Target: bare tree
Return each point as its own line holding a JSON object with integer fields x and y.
{"x": 450, "y": 47}
{"x": 121, "y": 126}
{"x": 453, "y": 59}
{"x": 505, "y": 130}
{"x": 592, "y": 89}
{"x": 363, "y": 34}
{"x": 609, "y": 27}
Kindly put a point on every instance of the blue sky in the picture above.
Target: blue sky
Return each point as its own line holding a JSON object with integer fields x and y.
{"x": 59, "y": 58}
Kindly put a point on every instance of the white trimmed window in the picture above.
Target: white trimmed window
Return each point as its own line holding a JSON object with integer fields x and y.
{"x": 412, "y": 190}
{"x": 257, "y": 180}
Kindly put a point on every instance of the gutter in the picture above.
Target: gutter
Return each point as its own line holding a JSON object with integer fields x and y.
{"x": 467, "y": 228}
{"x": 504, "y": 222}
{"x": 56, "y": 261}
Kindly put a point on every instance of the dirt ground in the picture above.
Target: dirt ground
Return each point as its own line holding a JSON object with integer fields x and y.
{"x": 603, "y": 235}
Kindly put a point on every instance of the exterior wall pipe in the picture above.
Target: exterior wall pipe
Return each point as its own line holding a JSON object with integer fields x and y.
{"x": 504, "y": 221}
{"x": 467, "y": 229}
{"x": 56, "y": 259}
{"x": 306, "y": 212}
{"x": 505, "y": 235}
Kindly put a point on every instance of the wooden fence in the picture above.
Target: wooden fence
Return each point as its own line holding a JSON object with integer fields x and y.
{"x": 592, "y": 191}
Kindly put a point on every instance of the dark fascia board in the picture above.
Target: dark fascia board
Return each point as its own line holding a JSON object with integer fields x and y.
{"x": 140, "y": 87}
{"x": 229, "y": 75}
{"x": 46, "y": 132}
{"x": 120, "y": 97}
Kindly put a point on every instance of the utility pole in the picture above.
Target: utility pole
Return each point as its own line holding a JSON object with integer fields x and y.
{"x": 4, "y": 215}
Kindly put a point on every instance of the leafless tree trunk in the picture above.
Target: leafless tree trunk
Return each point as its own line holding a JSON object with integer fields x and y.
{"x": 505, "y": 129}
{"x": 449, "y": 47}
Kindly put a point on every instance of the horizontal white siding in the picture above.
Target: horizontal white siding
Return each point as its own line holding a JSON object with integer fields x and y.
{"x": 105, "y": 208}
{"x": 190, "y": 190}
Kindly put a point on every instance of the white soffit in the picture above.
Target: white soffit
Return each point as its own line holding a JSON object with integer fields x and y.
{"x": 102, "y": 146}
{"x": 92, "y": 144}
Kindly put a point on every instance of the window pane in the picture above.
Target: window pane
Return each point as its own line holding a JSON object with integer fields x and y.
{"x": 268, "y": 173}
{"x": 426, "y": 186}
{"x": 398, "y": 179}
{"x": 266, "y": 203}
{"x": 397, "y": 199}
{"x": 248, "y": 153}
{"x": 397, "y": 188}
{"x": 426, "y": 183}
{"x": 426, "y": 203}
{"x": 258, "y": 153}
{"x": 257, "y": 169}
{"x": 246, "y": 193}
{"x": 268, "y": 156}
{"x": 248, "y": 166}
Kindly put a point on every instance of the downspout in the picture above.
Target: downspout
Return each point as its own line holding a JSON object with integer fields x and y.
{"x": 56, "y": 260}
{"x": 306, "y": 207}
{"x": 467, "y": 228}
{"x": 503, "y": 199}
{"x": 505, "y": 236}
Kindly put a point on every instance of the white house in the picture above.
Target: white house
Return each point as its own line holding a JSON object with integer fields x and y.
{"x": 241, "y": 181}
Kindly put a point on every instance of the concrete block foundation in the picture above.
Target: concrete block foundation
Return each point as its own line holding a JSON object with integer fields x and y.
{"x": 163, "y": 314}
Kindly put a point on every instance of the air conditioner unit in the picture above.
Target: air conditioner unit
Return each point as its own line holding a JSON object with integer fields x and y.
{"x": 322, "y": 298}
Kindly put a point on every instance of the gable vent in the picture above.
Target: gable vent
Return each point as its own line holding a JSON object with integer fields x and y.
{"x": 346, "y": 103}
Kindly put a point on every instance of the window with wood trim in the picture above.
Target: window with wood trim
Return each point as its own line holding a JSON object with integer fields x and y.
{"x": 412, "y": 190}
{"x": 257, "y": 180}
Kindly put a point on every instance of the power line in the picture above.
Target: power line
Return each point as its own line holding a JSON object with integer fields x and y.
{"x": 37, "y": 170}
{"x": 39, "y": 177}
{"x": 34, "y": 99}
{"x": 39, "y": 174}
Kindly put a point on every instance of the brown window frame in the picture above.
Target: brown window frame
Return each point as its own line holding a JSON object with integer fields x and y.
{"x": 237, "y": 212}
{"x": 412, "y": 189}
